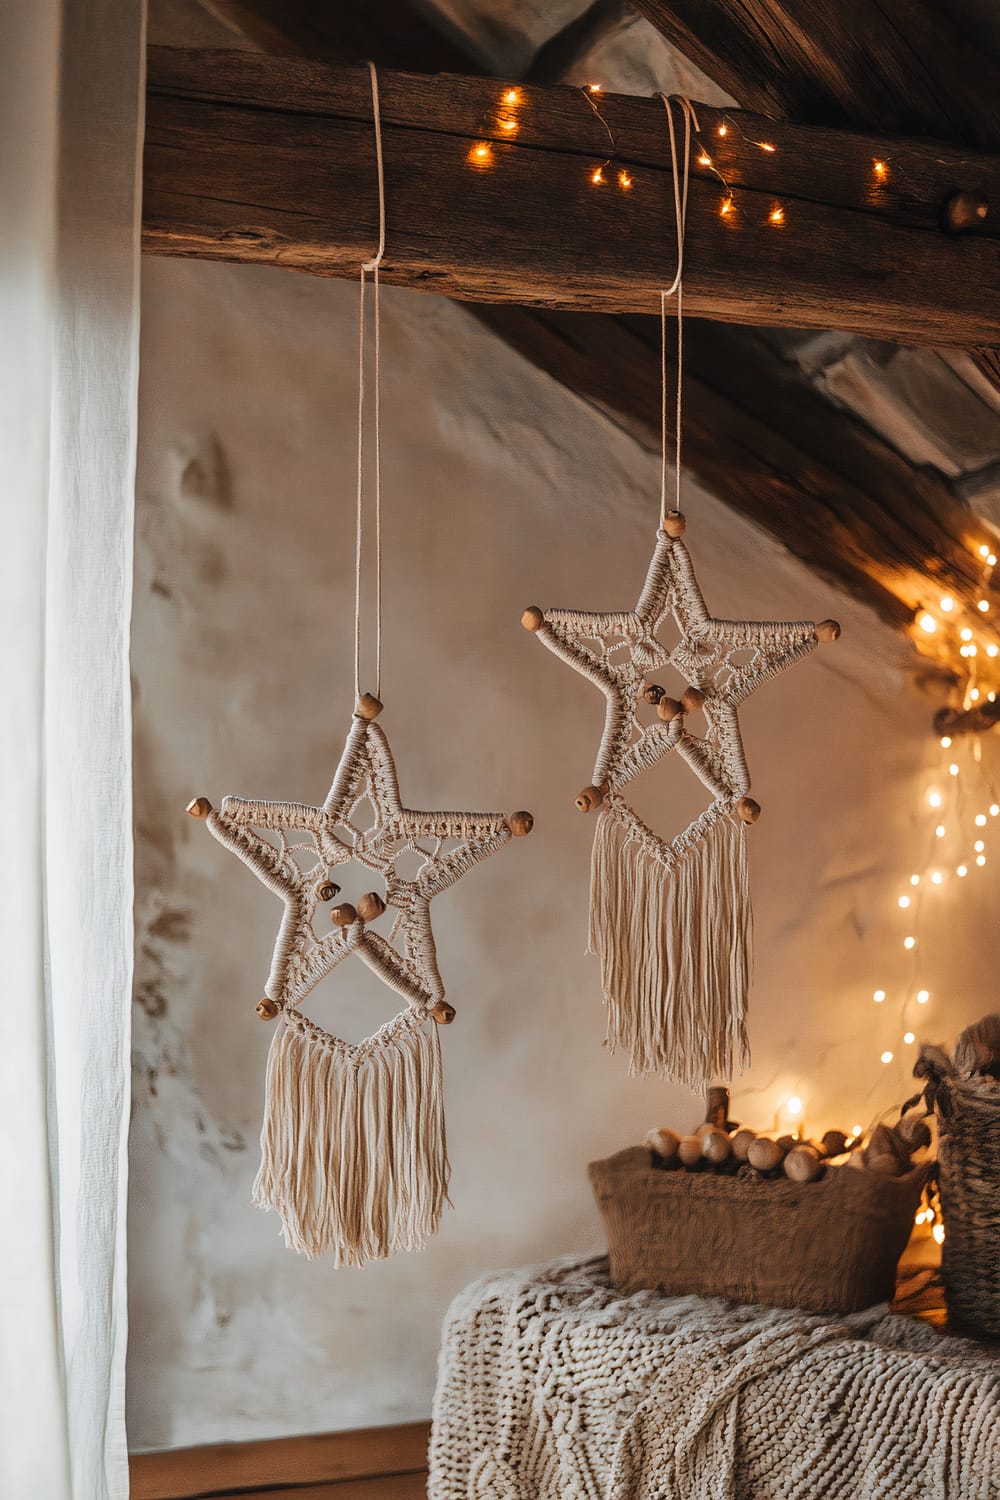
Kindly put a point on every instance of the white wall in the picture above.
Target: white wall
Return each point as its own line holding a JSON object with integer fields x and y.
{"x": 501, "y": 490}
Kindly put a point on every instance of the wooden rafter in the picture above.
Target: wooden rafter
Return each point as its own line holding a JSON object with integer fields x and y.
{"x": 253, "y": 158}
{"x": 899, "y": 65}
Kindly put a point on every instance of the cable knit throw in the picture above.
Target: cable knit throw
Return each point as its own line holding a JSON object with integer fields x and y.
{"x": 670, "y": 920}
{"x": 552, "y": 1386}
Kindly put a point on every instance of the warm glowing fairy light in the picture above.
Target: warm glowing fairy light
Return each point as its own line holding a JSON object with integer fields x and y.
{"x": 509, "y": 125}
{"x": 726, "y": 206}
{"x": 480, "y": 155}
{"x": 914, "y": 879}
{"x": 993, "y": 650}
{"x": 979, "y": 846}
{"x": 994, "y": 809}
{"x": 765, "y": 146}
{"x": 937, "y": 878}
{"x": 909, "y": 942}
{"x": 966, "y": 634}
{"x": 980, "y": 859}
{"x": 984, "y": 551}
{"x": 704, "y": 160}
{"x": 947, "y": 604}
{"x": 962, "y": 871}
{"x": 594, "y": 88}
{"x": 624, "y": 180}
{"x": 880, "y": 168}
{"x": 983, "y": 606}
{"x": 777, "y": 214}
{"x": 597, "y": 176}
{"x": 938, "y": 1233}
{"x": 980, "y": 820}
{"x": 946, "y": 742}
{"x": 992, "y": 560}
{"x": 923, "y": 996}
{"x": 928, "y": 623}
{"x": 909, "y": 1038}
{"x": 887, "y": 1057}
{"x": 934, "y": 799}
{"x": 723, "y": 129}
{"x": 940, "y": 831}
{"x": 879, "y": 996}
{"x": 903, "y": 902}
{"x": 953, "y": 769}
{"x": 511, "y": 96}
{"x": 974, "y": 692}
{"x": 794, "y": 1105}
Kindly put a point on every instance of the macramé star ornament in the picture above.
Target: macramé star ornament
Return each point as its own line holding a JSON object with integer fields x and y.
{"x": 353, "y": 1144}
{"x": 671, "y": 920}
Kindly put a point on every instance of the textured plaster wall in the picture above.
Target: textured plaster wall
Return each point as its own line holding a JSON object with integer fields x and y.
{"x": 501, "y": 490}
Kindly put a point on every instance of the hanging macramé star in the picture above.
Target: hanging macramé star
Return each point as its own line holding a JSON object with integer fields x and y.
{"x": 353, "y": 1153}
{"x": 671, "y": 920}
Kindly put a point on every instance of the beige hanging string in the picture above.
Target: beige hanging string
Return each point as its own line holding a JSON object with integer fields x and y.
{"x": 681, "y": 178}
{"x": 373, "y": 267}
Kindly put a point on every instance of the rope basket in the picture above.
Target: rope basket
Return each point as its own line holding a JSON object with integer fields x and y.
{"x": 829, "y": 1246}
{"x": 969, "y": 1186}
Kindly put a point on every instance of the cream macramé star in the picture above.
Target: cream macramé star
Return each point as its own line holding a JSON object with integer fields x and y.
{"x": 722, "y": 662}
{"x": 301, "y": 872}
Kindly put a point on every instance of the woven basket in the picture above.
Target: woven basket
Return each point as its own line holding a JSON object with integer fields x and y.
{"x": 969, "y": 1184}
{"x": 826, "y": 1246}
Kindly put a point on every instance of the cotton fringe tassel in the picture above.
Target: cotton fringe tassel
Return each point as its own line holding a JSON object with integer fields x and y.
{"x": 674, "y": 939}
{"x": 353, "y": 1150}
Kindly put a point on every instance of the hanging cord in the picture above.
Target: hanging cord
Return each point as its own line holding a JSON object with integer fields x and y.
{"x": 372, "y": 266}
{"x": 681, "y": 177}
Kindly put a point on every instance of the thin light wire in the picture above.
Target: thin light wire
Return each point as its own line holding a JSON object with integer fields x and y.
{"x": 681, "y": 178}
{"x": 372, "y": 266}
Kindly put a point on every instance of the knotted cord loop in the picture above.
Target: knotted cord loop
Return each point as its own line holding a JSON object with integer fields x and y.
{"x": 681, "y": 176}
{"x": 372, "y": 266}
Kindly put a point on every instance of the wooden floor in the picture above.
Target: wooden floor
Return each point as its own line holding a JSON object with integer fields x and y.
{"x": 373, "y": 1463}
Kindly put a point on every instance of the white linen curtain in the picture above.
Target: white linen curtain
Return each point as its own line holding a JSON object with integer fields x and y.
{"x": 71, "y": 76}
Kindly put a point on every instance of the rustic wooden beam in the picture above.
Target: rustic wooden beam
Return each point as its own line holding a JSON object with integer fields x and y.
{"x": 839, "y": 497}
{"x": 900, "y": 65}
{"x": 272, "y": 159}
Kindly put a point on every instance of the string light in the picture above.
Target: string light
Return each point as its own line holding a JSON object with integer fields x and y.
{"x": 928, "y": 623}
{"x": 980, "y": 820}
{"x": 909, "y": 942}
{"x": 903, "y": 902}
{"x": 979, "y": 846}
{"x": 980, "y": 859}
{"x": 992, "y": 650}
{"x": 962, "y": 871}
{"x": 480, "y": 155}
{"x": 887, "y": 1057}
{"x": 509, "y": 125}
{"x": 953, "y": 769}
{"x": 909, "y": 1038}
{"x": 984, "y": 551}
{"x": 624, "y": 180}
{"x": 765, "y": 146}
{"x": 726, "y": 206}
{"x": 947, "y": 604}
{"x": 965, "y": 633}
{"x": 934, "y": 799}
{"x": 938, "y": 1233}
{"x": 704, "y": 160}
{"x": 946, "y": 742}
{"x": 881, "y": 169}
{"x": 914, "y": 879}
{"x": 879, "y": 996}
{"x": 594, "y": 88}
{"x": 940, "y": 831}
{"x": 937, "y": 878}
{"x": 777, "y": 214}
{"x": 597, "y": 176}
{"x": 723, "y": 129}
{"x": 512, "y": 97}
{"x": 923, "y": 996}
{"x": 994, "y": 809}
{"x": 983, "y": 606}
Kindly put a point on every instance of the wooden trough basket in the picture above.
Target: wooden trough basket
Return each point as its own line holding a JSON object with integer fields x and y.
{"x": 827, "y": 1246}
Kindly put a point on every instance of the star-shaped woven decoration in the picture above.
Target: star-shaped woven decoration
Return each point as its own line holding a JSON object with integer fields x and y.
{"x": 670, "y": 917}
{"x": 300, "y": 871}
{"x": 353, "y": 1153}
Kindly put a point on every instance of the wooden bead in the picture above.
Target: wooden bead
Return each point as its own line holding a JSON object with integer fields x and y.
{"x": 327, "y": 889}
{"x": 652, "y": 693}
{"x": 765, "y": 1154}
{"x": 664, "y": 1143}
{"x": 802, "y": 1164}
{"x": 520, "y": 824}
{"x": 368, "y": 707}
{"x": 786, "y": 1142}
{"x": 742, "y": 1141}
{"x": 689, "y": 1150}
{"x": 692, "y": 698}
{"x": 200, "y": 807}
{"x": 883, "y": 1144}
{"x": 266, "y": 1009}
{"x": 828, "y": 630}
{"x": 716, "y": 1146}
{"x": 834, "y": 1143}
{"x": 667, "y": 709}
{"x": 533, "y": 618}
{"x": 748, "y": 809}
{"x": 675, "y": 523}
{"x": 343, "y": 915}
{"x": 966, "y": 210}
{"x": 884, "y": 1163}
{"x": 370, "y": 906}
{"x": 443, "y": 1013}
{"x": 590, "y": 799}
{"x": 702, "y": 1130}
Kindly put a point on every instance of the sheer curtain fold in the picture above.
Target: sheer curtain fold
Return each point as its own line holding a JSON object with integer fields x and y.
{"x": 71, "y": 77}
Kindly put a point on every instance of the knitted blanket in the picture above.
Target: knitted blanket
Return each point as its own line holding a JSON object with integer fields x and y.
{"x": 551, "y": 1386}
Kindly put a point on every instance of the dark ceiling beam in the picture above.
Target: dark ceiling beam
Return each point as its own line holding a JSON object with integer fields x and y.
{"x": 895, "y": 65}
{"x": 272, "y": 159}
